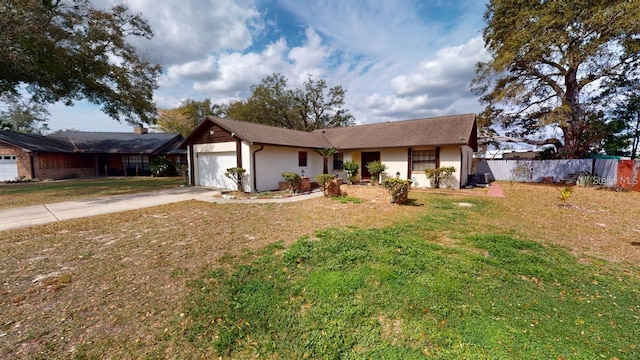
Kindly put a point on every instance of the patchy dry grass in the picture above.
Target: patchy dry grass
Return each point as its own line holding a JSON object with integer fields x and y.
{"x": 115, "y": 285}
{"x": 46, "y": 192}
{"x": 591, "y": 223}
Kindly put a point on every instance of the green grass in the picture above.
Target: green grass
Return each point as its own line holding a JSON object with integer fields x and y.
{"x": 35, "y": 193}
{"x": 347, "y": 199}
{"x": 396, "y": 293}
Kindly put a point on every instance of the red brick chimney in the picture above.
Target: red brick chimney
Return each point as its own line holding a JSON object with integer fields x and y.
{"x": 140, "y": 130}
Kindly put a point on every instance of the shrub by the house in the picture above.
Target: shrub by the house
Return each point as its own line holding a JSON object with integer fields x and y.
{"x": 236, "y": 174}
{"x": 441, "y": 177}
{"x": 294, "y": 180}
{"x": 398, "y": 188}
{"x": 324, "y": 180}
{"x": 351, "y": 169}
{"x": 375, "y": 169}
{"x": 161, "y": 166}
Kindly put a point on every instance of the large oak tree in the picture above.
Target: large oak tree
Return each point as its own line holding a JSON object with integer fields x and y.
{"x": 70, "y": 50}
{"x": 551, "y": 59}
{"x": 186, "y": 117}
{"x": 272, "y": 102}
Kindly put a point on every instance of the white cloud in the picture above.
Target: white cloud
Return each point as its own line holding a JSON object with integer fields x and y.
{"x": 397, "y": 59}
{"x": 309, "y": 58}
{"x": 237, "y": 71}
{"x": 448, "y": 73}
{"x": 185, "y": 31}
{"x": 438, "y": 86}
{"x": 199, "y": 70}
{"x": 230, "y": 75}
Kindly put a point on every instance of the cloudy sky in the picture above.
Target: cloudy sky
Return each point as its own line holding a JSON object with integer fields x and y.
{"x": 397, "y": 59}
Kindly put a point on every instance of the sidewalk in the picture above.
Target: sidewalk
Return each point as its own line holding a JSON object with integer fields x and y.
{"x": 495, "y": 190}
{"x": 48, "y": 213}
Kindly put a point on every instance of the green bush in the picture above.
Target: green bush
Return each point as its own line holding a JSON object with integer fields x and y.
{"x": 293, "y": 179}
{"x": 236, "y": 174}
{"x": 351, "y": 169}
{"x": 398, "y": 188}
{"x": 440, "y": 176}
{"x": 375, "y": 169}
{"x": 161, "y": 166}
{"x": 323, "y": 180}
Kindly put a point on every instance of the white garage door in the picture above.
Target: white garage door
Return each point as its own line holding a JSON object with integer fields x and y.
{"x": 8, "y": 167}
{"x": 211, "y": 169}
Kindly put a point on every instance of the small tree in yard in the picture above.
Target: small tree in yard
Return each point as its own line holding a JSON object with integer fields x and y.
{"x": 324, "y": 180}
{"x": 375, "y": 169}
{"x": 294, "y": 180}
{"x": 439, "y": 175}
{"x": 565, "y": 193}
{"x": 351, "y": 169}
{"x": 236, "y": 174}
{"x": 398, "y": 188}
{"x": 326, "y": 153}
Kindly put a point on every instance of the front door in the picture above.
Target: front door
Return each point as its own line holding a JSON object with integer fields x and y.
{"x": 368, "y": 157}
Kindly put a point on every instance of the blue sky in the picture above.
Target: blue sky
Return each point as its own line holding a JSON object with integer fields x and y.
{"x": 397, "y": 59}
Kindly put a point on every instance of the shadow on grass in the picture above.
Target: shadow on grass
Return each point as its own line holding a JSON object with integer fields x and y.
{"x": 412, "y": 202}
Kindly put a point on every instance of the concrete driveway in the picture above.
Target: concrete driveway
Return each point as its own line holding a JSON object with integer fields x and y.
{"x": 48, "y": 213}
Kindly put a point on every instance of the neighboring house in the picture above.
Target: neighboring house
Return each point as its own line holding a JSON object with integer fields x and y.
{"x": 406, "y": 147}
{"x": 84, "y": 154}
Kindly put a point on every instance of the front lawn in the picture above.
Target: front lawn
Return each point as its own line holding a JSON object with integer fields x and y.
{"x": 46, "y": 192}
{"x": 415, "y": 290}
{"x": 524, "y": 276}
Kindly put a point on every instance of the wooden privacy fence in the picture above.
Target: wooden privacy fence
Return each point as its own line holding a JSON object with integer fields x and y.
{"x": 606, "y": 172}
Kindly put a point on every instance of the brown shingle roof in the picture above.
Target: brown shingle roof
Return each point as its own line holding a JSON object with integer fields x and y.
{"x": 271, "y": 135}
{"x": 444, "y": 130}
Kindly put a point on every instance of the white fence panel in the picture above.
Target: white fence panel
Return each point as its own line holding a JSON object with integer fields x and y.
{"x": 607, "y": 171}
{"x": 535, "y": 170}
{"x": 560, "y": 169}
{"x": 497, "y": 169}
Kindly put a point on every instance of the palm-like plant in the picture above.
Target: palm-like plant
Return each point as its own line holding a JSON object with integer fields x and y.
{"x": 326, "y": 153}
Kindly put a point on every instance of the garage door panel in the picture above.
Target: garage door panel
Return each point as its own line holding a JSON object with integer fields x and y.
{"x": 8, "y": 168}
{"x": 211, "y": 169}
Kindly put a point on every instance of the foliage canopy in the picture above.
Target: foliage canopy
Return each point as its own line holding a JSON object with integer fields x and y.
{"x": 70, "y": 50}
{"x": 22, "y": 116}
{"x": 186, "y": 117}
{"x": 551, "y": 61}
{"x": 273, "y": 103}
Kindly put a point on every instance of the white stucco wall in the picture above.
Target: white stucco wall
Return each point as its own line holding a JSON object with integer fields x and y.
{"x": 246, "y": 164}
{"x": 450, "y": 156}
{"x": 467, "y": 159}
{"x": 396, "y": 161}
{"x": 272, "y": 161}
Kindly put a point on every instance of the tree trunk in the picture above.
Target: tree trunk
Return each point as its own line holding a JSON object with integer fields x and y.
{"x": 572, "y": 131}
